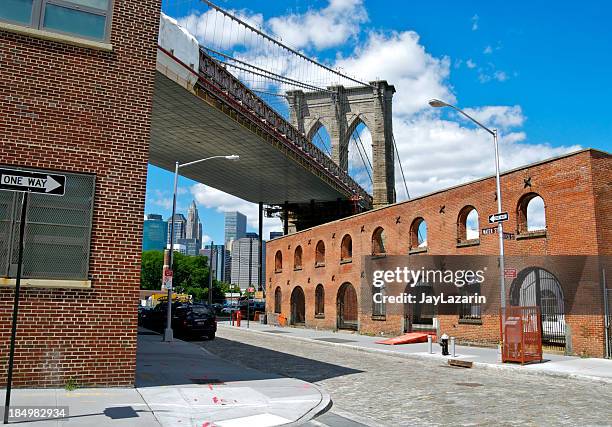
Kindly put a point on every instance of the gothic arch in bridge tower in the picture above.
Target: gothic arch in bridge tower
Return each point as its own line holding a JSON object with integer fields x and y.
{"x": 341, "y": 111}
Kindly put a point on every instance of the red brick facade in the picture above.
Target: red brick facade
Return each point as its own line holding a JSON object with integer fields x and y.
{"x": 81, "y": 109}
{"x": 575, "y": 190}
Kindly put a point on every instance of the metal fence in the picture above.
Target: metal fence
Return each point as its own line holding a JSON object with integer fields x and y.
{"x": 57, "y": 234}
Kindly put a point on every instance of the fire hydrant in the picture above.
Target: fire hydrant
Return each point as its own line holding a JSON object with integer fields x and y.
{"x": 444, "y": 344}
{"x": 238, "y": 318}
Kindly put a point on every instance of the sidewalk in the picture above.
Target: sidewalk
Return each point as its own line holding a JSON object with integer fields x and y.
{"x": 181, "y": 384}
{"x": 592, "y": 369}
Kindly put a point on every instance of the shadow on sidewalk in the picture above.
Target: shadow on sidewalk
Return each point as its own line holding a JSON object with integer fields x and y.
{"x": 275, "y": 362}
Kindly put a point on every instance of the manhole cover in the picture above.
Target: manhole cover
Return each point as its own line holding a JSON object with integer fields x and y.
{"x": 335, "y": 340}
{"x": 147, "y": 333}
{"x": 470, "y": 384}
{"x": 277, "y": 332}
{"x": 206, "y": 381}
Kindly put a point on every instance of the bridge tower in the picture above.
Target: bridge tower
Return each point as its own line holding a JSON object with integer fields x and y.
{"x": 341, "y": 111}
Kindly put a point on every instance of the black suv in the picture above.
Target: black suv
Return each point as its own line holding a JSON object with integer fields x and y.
{"x": 187, "y": 319}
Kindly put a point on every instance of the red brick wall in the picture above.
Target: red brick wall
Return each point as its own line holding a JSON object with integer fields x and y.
{"x": 577, "y": 198}
{"x": 76, "y": 109}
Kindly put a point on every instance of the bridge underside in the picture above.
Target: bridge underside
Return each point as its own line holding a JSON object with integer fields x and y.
{"x": 188, "y": 127}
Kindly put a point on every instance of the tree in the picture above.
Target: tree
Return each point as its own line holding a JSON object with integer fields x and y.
{"x": 151, "y": 270}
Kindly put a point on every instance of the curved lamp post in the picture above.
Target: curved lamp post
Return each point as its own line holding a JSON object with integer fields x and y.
{"x": 168, "y": 334}
{"x": 500, "y": 231}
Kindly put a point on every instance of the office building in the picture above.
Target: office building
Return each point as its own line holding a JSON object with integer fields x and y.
{"x": 155, "y": 233}
{"x": 245, "y": 261}
{"x": 180, "y": 226}
{"x": 275, "y": 234}
{"x": 219, "y": 258}
{"x": 235, "y": 227}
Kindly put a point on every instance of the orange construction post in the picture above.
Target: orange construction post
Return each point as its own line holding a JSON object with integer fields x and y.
{"x": 238, "y": 318}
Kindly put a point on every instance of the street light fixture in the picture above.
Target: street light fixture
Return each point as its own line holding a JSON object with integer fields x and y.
{"x": 168, "y": 334}
{"x": 500, "y": 231}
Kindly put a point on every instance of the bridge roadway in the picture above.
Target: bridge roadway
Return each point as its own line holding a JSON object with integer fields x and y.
{"x": 196, "y": 115}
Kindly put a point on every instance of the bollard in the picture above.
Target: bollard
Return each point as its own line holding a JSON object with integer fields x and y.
{"x": 444, "y": 344}
{"x": 429, "y": 344}
{"x": 238, "y": 318}
{"x": 452, "y": 345}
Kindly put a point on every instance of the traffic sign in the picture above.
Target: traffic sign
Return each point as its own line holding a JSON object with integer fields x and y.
{"x": 490, "y": 230}
{"x": 498, "y": 217}
{"x": 34, "y": 182}
{"x": 167, "y": 278}
{"x": 250, "y": 289}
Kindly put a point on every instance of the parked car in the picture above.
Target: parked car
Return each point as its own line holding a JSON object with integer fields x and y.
{"x": 187, "y": 319}
{"x": 144, "y": 314}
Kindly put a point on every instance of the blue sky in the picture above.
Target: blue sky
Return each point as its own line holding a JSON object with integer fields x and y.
{"x": 539, "y": 71}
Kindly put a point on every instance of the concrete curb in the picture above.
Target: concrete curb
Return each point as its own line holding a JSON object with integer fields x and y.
{"x": 437, "y": 360}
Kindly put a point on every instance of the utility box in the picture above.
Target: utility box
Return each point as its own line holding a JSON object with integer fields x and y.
{"x": 521, "y": 329}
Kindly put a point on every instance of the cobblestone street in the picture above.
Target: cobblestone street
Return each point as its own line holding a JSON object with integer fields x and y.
{"x": 388, "y": 390}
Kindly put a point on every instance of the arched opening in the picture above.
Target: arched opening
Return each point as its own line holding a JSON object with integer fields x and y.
{"x": 298, "y": 306}
{"x": 320, "y": 254}
{"x": 420, "y": 315}
{"x": 297, "y": 258}
{"x": 378, "y": 242}
{"x": 418, "y": 234}
{"x": 346, "y": 307}
{"x": 319, "y": 301}
{"x": 319, "y": 136}
{"x": 278, "y": 297}
{"x": 531, "y": 213}
{"x": 535, "y": 286}
{"x": 467, "y": 225}
{"x": 359, "y": 153}
{"x": 278, "y": 262}
{"x": 346, "y": 248}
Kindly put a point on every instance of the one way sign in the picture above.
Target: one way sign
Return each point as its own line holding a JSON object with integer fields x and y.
{"x": 35, "y": 182}
{"x": 498, "y": 217}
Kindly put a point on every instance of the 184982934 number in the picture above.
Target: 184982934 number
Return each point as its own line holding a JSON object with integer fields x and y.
{"x": 31, "y": 413}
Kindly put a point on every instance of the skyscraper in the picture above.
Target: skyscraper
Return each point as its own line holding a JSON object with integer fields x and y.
{"x": 180, "y": 224}
{"x": 235, "y": 226}
{"x": 155, "y": 233}
{"x": 245, "y": 262}
{"x": 192, "y": 230}
{"x": 219, "y": 258}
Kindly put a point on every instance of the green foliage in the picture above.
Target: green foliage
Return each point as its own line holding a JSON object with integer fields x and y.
{"x": 190, "y": 276}
{"x": 71, "y": 384}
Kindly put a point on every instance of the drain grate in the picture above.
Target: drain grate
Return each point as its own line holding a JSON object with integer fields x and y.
{"x": 470, "y": 384}
{"x": 277, "y": 332}
{"x": 334, "y": 340}
{"x": 206, "y": 381}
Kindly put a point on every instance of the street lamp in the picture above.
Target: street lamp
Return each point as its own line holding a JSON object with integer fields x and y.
{"x": 168, "y": 335}
{"x": 500, "y": 231}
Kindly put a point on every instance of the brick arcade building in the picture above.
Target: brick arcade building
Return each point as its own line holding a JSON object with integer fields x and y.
{"x": 316, "y": 277}
{"x": 76, "y": 91}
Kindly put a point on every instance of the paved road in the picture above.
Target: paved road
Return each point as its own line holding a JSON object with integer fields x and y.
{"x": 380, "y": 390}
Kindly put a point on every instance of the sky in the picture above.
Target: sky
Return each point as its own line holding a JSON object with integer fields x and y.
{"x": 537, "y": 71}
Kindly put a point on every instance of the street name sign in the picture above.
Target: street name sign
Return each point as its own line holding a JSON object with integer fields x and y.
{"x": 498, "y": 217}
{"x": 490, "y": 230}
{"x": 34, "y": 182}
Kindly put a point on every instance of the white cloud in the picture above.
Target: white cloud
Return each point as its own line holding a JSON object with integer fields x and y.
{"x": 321, "y": 29}
{"x": 400, "y": 59}
{"x": 205, "y": 239}
{"x": 502, "y": 117}
{"x": 488, "y": 50}
{"x": 475, "y": 20}
{"x": 223, "y": 202}
{"x": 470, "y": 64}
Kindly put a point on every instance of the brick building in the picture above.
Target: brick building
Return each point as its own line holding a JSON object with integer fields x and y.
{"x": 76, "y": 92}
{"x": 560, "y": 206}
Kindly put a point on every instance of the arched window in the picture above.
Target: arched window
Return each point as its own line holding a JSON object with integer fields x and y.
{"x": 470, "y": 311}
{"x": 378, "y": 241}
{"x": 531, "y": 213}
{"x": 320, "y": 253}
{"x": 278, "y": 262}
{"x": 319, "y": 301}
{"x": 418, "y": 234}
{"x": 346, "y": 248}
{"x": 278, "y": 297}
{"x": 467, "y": 225}
{"x": 297, "y": 258}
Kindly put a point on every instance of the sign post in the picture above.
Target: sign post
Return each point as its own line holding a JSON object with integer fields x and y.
{"x": 25, "y": 183}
